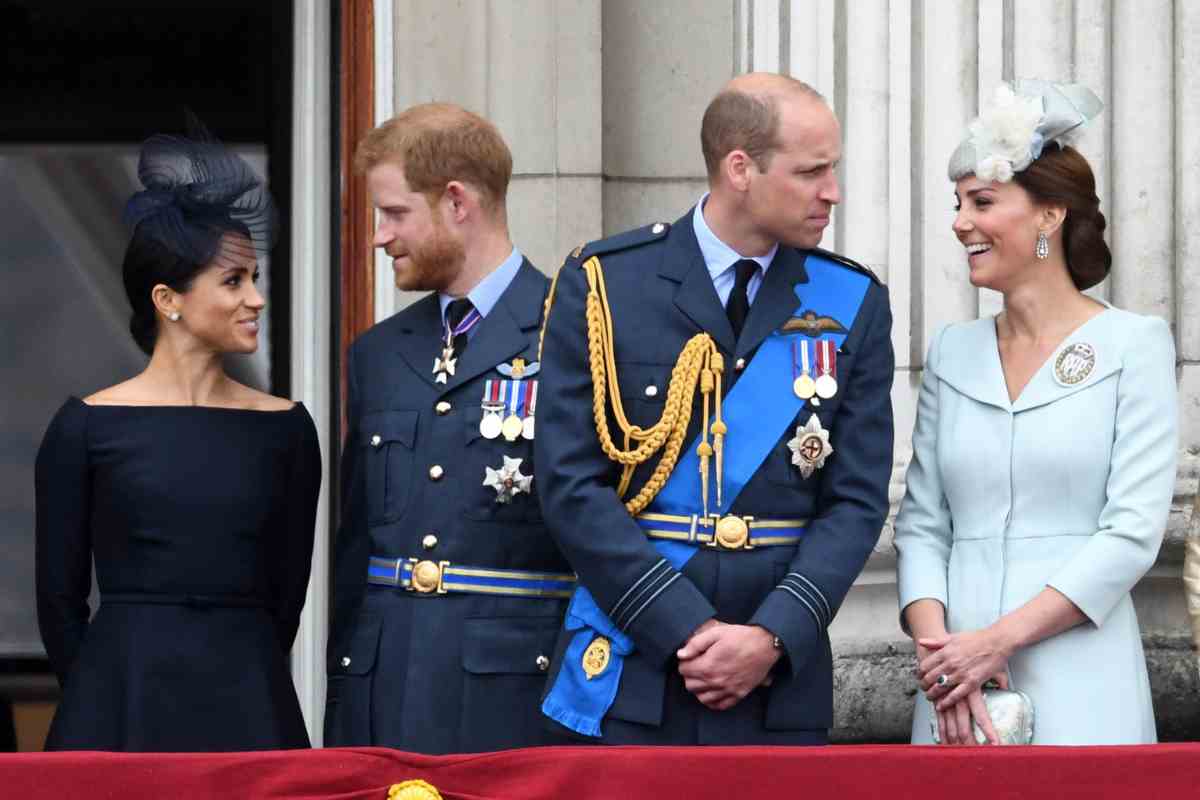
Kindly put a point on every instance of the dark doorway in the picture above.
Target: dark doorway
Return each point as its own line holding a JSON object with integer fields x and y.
{"x": 84, "y": 83}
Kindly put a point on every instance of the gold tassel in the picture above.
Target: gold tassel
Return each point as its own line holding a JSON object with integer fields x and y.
{"x": 719, "y": 428}
{"x": 704, "y": 449}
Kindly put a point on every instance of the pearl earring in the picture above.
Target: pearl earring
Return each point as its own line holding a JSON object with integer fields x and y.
{"x": 173, "y": 316}
{"x": 1042, "y": 251}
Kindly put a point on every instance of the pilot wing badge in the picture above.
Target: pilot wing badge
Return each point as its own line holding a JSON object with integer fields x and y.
{"x": 810, "y": 323}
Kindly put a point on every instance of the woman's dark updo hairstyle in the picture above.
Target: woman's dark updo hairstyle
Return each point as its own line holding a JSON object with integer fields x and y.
{"x": 196, "y": 191}
{"x": 149, "y": 262}
{"x": 1061, "y": 176}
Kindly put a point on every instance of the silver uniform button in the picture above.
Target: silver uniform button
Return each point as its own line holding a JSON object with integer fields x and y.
{"x": 442, "y": 408}
{"x": 429, "y": 542}
{"x": 543, "y": 663}
{"x": 740, "y": 364}
{"x": 658, "y": 228}
{"x": 651, "y": 391}
{"x": 436, "y": 472}
{"x": 345, "y": 661}
{"x": 376, "y": 440}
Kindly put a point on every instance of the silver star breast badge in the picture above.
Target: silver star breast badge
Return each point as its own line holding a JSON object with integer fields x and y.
{"x": 508, "y": 480}
{"x": 810, "y": 446}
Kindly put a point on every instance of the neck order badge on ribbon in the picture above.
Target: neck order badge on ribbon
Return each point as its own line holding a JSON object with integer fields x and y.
{"x": 444, "y": 366}
{"x": 757, "y": 413}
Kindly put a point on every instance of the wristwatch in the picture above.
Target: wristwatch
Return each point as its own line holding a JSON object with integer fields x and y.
{"x": 776, "y": 642}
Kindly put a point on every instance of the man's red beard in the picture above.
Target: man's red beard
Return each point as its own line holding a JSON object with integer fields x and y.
{"x": 434, "y": 264}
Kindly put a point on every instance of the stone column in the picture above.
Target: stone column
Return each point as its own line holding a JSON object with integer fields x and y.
{"x": 533, "y": 68}
{"x": 662, "y": 63}
{"x": 1187, "y": 230}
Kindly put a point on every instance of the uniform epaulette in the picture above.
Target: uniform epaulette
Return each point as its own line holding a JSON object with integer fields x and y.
{"x": 848, "y": 262}
{"x": 622, "y": 241}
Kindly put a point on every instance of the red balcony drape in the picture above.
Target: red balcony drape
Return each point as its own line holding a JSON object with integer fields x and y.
{"x": 624, "y": 773}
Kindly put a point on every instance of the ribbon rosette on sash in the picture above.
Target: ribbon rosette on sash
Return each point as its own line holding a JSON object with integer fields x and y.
{"x": 579, "y": 702}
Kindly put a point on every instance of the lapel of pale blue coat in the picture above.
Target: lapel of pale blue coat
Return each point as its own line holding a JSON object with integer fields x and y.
{"x": 970, "y": 363}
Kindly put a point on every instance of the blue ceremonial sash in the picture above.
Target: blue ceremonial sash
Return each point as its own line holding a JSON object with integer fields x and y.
{"x": 755, "y": 426}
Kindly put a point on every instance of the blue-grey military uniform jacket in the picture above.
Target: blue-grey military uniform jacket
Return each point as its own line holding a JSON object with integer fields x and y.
{"x": 437, "y": 673}
{"x": 661, "y": 294}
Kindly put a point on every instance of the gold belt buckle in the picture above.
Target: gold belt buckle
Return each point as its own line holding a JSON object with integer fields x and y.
{"x": 428, "y": 577}
{"x": 731, "y": 532}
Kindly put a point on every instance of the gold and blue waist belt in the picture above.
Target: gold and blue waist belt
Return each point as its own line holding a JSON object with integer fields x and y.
{"x": 423, "y": 576}
{"x": 729, "y": 532}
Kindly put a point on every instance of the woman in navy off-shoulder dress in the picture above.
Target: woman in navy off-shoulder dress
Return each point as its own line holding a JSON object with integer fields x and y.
{"x": 195, "y": 495}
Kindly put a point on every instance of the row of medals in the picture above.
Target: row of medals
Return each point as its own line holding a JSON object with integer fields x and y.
{"x": 824, "y": 386}
{"x": 494, "y": 424}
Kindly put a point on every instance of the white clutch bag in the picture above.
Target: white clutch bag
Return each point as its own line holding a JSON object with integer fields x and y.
{"x": 1011, "y": 712}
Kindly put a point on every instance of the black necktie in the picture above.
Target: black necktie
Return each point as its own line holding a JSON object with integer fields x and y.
{"x": 738, "y": 307}
{"x": 456, "y": 312}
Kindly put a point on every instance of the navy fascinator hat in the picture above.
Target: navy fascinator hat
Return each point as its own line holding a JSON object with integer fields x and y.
{"x": 197, "y": 190}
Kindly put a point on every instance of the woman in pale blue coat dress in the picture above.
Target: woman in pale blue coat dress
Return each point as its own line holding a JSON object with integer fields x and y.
{"x": 1044, "y": 452}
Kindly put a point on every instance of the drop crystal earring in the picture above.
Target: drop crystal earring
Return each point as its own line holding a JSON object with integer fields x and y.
{"x": 1042, "y": 251}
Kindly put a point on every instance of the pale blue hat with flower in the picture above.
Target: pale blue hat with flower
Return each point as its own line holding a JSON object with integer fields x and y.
{"x": 1023, "y": 119}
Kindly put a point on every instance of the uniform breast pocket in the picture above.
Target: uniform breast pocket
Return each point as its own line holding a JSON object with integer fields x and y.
{"x": 643, "y": 394}
{"x": 506, "y": 497}
{"x": 389, "y": 438}
{"x": 811, "y": 448}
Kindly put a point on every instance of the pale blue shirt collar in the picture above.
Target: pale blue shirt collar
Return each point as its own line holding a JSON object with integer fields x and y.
{"x": 719, "y": 257}
{"x": 487, "y": 292}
